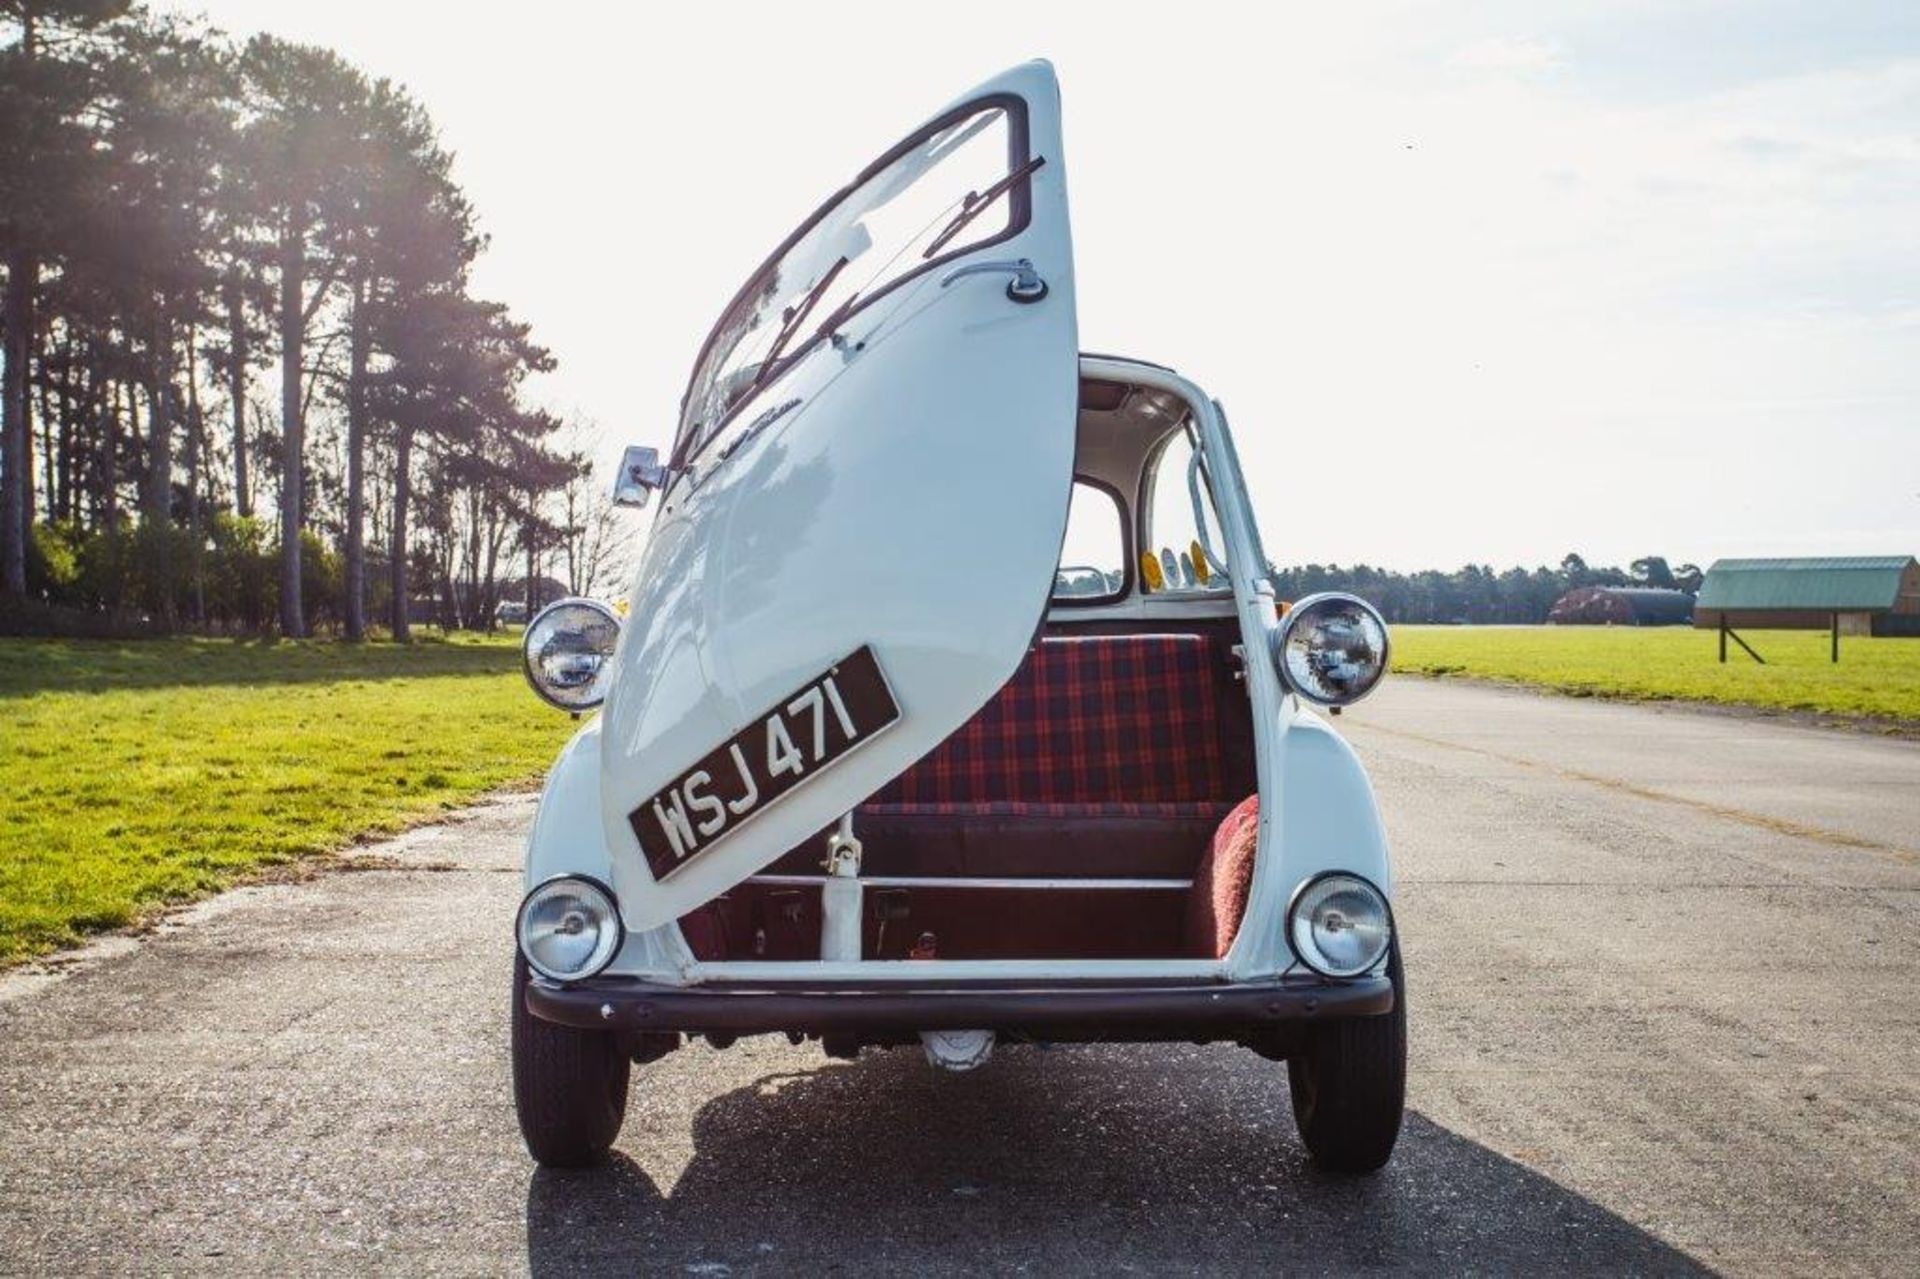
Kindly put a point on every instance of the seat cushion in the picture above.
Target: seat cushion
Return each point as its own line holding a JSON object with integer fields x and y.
{"x": 1217, "y": 903}
{"x": 1101, "y": 758}
{"x": 1018, "y": 839}
{"x": 1085, "y": 720}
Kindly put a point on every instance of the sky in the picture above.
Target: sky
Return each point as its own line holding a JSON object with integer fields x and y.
{"x": 1476, "y": 283}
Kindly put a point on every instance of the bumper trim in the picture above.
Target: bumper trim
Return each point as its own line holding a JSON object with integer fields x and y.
{"x": 740, "y": 1008}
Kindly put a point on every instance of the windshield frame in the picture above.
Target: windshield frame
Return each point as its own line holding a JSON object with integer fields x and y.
{"x": 1019, "y": 197}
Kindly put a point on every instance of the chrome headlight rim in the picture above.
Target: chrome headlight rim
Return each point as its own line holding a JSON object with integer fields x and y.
{"x": 1307, "y": 953}
{"x": 1297, "y": 613}
{"x": 598, "y": 690}
{"x": 601, "y": 959}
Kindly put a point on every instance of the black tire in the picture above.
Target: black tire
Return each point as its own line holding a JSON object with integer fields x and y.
{"x": 1349, "y": 1083}
{"x": 569, "y": 1086}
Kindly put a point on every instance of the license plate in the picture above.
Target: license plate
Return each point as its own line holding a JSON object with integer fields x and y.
{"x": 791, "y": 743}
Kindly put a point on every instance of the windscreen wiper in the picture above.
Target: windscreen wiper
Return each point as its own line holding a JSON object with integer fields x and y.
{"x": 976, "y": 203}
{"x": 795, "y": 316}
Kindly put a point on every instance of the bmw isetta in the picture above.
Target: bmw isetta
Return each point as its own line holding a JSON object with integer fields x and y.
{"x": 954, "y": 705}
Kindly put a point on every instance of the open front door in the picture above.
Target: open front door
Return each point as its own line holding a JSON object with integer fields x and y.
{"x": 871, "y": 489}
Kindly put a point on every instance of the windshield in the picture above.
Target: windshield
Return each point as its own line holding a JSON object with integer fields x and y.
{"x": 957, "y": 185}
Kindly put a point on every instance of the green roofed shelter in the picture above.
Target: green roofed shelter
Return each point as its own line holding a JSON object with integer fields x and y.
{"x": 1853, "y": 594}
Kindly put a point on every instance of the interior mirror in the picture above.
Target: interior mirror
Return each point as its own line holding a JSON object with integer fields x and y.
{"x": 640, "y": 473}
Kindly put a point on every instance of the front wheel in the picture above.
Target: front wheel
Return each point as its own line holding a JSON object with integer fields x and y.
{"x": 569, "y": 1086}
{"x": 1349, "y": 1083}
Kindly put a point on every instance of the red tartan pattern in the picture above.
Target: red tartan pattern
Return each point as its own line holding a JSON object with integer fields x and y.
{"x": 1070, "y": 811}
{"x": 1097, "y": 720}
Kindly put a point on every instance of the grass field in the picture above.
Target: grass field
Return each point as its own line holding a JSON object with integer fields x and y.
{"x": 133, "y": 775}
{"x": 1879, "y": 678}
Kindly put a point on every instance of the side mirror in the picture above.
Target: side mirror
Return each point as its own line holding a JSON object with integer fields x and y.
{"x": 640, "y": 473}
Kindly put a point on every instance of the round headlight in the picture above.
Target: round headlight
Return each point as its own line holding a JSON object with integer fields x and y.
{"x": 569, "y": 929}
{"x": 569, "y": 648}
{"x": 1331, "y": 649}
{"x": 1339, "y": 924}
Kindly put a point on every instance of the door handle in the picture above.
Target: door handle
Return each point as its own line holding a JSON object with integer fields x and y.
{"x": 1025, "y": 286}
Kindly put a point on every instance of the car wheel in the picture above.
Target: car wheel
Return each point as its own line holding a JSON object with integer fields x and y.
{"x": 1349, "y": 1083}
{"x": 569, "y": 1086}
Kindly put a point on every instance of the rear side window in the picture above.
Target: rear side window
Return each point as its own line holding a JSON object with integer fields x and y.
{"x": 1093, "y": 559}
{"x": 1180, "y": 533}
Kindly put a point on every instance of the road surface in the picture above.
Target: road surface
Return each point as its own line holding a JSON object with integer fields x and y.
{"x": 1665, "y": 1001}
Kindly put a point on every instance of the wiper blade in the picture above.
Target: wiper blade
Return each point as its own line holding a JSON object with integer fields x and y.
{"x": 838, "y": 316}
{"x": 795, "y": 316}
{"x": 976, "y": 203}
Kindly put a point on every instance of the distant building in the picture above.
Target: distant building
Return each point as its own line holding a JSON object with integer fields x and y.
{"x": 1860, "y": 594}
{"x": 1621, "y": 606}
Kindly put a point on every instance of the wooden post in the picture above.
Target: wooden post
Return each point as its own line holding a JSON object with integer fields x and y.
{"x": 1836, "y": 637}
{"x": 1744, "y": 646}
{"x": 1723, "y": 639}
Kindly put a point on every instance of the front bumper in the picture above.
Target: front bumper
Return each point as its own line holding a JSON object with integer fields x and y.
{"x": 1134, "y": 1010}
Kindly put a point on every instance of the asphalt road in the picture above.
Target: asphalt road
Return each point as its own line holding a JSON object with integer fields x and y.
{"x": 1665, "y": 1001}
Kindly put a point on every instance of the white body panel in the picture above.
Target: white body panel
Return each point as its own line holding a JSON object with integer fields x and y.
{"x": 1318, "y": 811}
{"x": 880, "y": 510}
{"x": 911, "y": 495}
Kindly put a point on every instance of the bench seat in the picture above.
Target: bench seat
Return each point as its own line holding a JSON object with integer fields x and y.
{"x": 1112, "y": 756}
{"x": 1100, "y": 758}
{"x": 1024, "y": 840}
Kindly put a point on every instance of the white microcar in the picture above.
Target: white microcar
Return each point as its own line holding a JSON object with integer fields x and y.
{"x": 954, "y": 706}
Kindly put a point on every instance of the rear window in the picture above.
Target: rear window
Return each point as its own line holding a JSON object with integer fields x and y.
{"x": 1093, "y": 558}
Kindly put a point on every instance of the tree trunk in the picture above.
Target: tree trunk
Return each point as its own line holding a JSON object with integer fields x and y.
{"x": 293, "y": 263}
{"x": 196, "y": 558}
{"x": 359, "y": 338}
{"x": 66, "y": 404}
{"x": 489, "y": 589}
{"x": 99, "y": 429}
{"x": 237, "y": 388}
{"x": 16, "y": 433}
{"x": 110, "y": 462}
{"x": 49, "y": 419}
{"x": 133, "y": 433}
{"x": 449, "y": 591}
{"x": 89, "y": 396}
{"x": 16, "y": 444}
{"x": 158, "y": 493}
{"x": 572, "y": 542}
{"x": 397, "y": 552}
{"x": 490, "y": 601}
{"x": 532, "y": 591}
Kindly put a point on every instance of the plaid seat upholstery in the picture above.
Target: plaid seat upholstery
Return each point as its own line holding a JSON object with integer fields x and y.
{"x": 1010, "y": 839}
{"x": 1119, "y": 719}
{"x": 1210, "y": 809}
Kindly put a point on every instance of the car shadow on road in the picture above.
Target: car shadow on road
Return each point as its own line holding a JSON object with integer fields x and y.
{"x": 1077, "y": 1160}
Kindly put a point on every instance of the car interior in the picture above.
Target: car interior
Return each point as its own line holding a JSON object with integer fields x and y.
{"x": 1102, "y": 804}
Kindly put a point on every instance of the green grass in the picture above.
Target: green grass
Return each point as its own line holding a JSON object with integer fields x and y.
{"x": 134, "y": 775}
{"x": 1879, "y": 678}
